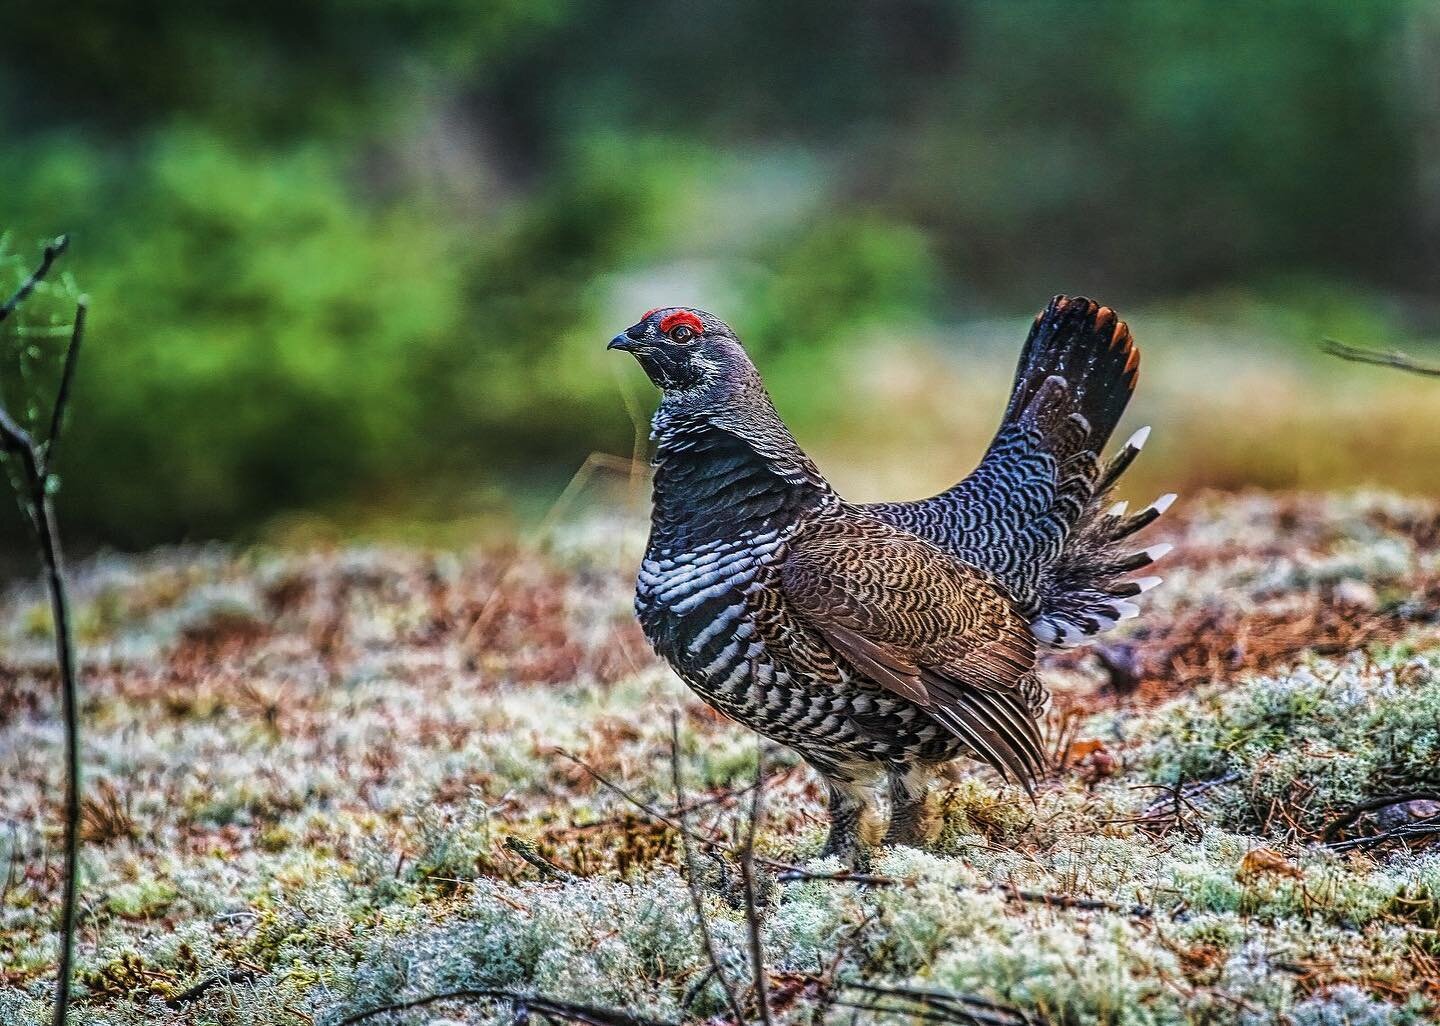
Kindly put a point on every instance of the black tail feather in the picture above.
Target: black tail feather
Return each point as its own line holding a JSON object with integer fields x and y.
{"x": 1122, "y": 460}
{"x": 1091, "y": 349}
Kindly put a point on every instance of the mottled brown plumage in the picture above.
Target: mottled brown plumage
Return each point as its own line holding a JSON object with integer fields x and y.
{"x": 899, "y": 612}
{"x": 892, "y": 638}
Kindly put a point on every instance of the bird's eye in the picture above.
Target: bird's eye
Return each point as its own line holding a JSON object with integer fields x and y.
{"x": 682, "y": 333}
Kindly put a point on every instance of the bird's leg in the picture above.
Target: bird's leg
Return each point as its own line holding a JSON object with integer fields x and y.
{"x": 847, "y": 807}
{"x": 908, "y": 791}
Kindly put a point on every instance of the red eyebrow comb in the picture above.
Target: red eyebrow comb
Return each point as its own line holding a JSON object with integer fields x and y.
{"x": 684, "y": 317}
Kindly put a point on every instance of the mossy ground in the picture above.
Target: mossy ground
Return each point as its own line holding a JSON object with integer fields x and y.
{"x": 306, "y": 773}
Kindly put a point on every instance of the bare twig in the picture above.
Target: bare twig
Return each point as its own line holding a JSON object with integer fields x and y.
{"x": 874, "y": 1004}
{"x": 1007, "y": 890}
{"x": 697, "y": 900}
{"x": 1392, "y": 358}
{"x": 526, "y": 852}
{"x": 475, "y": 633}
{"x": 717, "y": 797}
{"x": 1406, "y": 832}
{"x": 36, "y": 467}
{"x": 62, "y": 394}
{"x": 239, "y": 974}
{"x": 940, "y": 1005}
{"x": 693, "y": 991}
{"x": 58, "y": 246}
{"x": 747, "y": 873}
{"x": 827, "y": 989}
{"x": 794, "y": 873}
{"x": 1356, "y": 811}
{"x": 710, "y": 843}
{"x": 1067, "y": 901}
{"x": 644, "y": 807}
{"x": 1177, "y": 809}
{"x": 569, "y": 1010}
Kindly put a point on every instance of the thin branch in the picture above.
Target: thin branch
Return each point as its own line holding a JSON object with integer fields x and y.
{"x": 718, "y": 797}
{"x": 70, "y": 709}
{"x": 1393, "y": 358}
{"x": 692, "y": 878}
{"x": 52, "y": 251}
{"x": 570, "y": 1010}
{"x": 1384, "y": 801}
{"x": 1066, "y": 901}
{"x": 1006, "y": 890}
{"x": 527, "y": 852}
{"x": 693, "y": 991}
{"x": 874, "y": 1004}
{"x": 921, "y": 1012}
{"x": 942, "y": 1006}
{"x": 644, "y": 807}
{"x": 710, "y": 843}
{"x": 747, "y": 873}
{"x": 475, "y": 633}
{"x": 62, "y": 395}
{"x": 827, "y": 991}
{"x": 1406, "y": 832}
{"x": 240, "y": 974}
{"x": 796, "y": 873}
{"x": 16, "y": 439}
{"x": 36, "y": 485}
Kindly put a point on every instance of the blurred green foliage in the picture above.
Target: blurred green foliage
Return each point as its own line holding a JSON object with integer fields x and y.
{"x": 366, "y": 254}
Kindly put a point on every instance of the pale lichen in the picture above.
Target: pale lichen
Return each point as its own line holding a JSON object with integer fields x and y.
{"x": 306, "y": 767}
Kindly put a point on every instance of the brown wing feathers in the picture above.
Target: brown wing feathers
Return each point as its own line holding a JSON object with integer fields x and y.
{"x": 998, "y": 728}
{"x": 905, "y": 615}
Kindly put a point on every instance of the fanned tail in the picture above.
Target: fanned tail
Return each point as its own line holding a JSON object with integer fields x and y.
{"x": 1088, "y": 588}
{"x": 1033, "y": 512}
{"x": 1091, "y": 587}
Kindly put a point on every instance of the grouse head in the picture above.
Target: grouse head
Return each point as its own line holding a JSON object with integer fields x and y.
{"x": 707, "y": 381}
{"x": 687, "y": 351}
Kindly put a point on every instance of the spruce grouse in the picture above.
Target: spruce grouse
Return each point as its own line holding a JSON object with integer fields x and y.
{"x": 889, "y": 638}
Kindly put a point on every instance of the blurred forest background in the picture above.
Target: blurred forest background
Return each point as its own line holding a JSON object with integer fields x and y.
{"x": 353, "y": 264}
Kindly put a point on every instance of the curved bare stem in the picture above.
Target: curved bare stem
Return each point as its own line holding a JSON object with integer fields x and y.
{"x": 36, "y": 461}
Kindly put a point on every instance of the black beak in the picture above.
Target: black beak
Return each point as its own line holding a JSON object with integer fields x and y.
{"x": 629, "y": 340}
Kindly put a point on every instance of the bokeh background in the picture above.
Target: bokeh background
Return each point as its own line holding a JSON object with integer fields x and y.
{"x": 353, "y": 263}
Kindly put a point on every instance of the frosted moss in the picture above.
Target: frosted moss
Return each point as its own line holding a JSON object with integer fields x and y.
{"x": 306, "y": 767}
